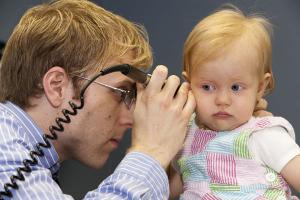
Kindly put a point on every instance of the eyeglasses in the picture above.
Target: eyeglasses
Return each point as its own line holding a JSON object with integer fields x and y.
{"x": 127, "y": 96}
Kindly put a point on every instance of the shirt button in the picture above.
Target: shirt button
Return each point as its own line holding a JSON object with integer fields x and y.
{"x": 270, "y": 177}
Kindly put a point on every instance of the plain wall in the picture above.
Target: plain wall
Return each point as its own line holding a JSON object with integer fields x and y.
{"x": 168, "y": 23}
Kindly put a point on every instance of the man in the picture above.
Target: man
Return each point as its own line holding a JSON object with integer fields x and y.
{"x": 53, "y": 52}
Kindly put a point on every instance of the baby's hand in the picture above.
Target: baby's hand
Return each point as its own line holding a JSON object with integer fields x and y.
{"x": 260, "y": 109}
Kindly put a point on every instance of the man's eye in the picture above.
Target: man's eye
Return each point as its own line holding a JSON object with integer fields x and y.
{"x": 236, "y": 87}
{"x": 208, "y": 87}
{"x": 117, "y": 95}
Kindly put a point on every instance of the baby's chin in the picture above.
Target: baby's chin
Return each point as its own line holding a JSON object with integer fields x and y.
{"x": 217, "y": 128}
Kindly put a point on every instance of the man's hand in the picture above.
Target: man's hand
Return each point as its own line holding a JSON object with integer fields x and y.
{"x": 160, "y": 119}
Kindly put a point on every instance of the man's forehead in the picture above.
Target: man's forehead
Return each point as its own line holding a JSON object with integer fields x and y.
{"x": 126, "y": 81}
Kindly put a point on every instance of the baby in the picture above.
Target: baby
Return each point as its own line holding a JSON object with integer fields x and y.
{"x": 228, "y": 153}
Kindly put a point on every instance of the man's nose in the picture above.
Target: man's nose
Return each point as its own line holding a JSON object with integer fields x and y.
{"x": 126, "y": 117}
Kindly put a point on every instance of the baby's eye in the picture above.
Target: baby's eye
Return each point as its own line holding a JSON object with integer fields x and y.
{"x": 236, "y": 87}
{"x": 208, "y": 87}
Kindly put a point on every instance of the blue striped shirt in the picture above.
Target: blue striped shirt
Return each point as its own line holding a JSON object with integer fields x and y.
{"x": 138, "y": 176}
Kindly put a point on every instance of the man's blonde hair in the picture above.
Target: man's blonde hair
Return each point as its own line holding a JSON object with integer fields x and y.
{"x": 76, "y": 35}
{"x": 218, "y": 31}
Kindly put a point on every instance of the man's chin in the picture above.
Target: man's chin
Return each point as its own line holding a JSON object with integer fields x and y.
{"x": 97, "y": 163}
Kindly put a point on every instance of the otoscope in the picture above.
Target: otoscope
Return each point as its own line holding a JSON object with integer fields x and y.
{"x": 130, "y": 71}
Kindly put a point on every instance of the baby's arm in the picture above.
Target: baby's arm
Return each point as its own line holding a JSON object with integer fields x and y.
{"x": 291, "y": 172}
{"x": 176, "y": 186}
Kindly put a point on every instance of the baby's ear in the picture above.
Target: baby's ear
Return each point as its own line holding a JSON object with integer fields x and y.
{"x": 185, "y": 76}
{"x": 263, "y": 85}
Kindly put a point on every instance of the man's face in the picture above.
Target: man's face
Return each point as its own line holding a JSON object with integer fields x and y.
{"x": 100, "y": 125}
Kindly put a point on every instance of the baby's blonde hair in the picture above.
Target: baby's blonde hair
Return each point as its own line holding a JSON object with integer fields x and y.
{"x": 219, "y": 30}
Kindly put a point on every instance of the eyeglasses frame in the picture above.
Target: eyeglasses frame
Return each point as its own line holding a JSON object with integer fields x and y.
{"x": 125, "y": 94}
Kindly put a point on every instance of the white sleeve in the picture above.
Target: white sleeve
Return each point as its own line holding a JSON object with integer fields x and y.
{"x": 274, "y": 147}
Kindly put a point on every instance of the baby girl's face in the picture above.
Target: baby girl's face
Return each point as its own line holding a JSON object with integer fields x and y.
{"x": 226, "y": 88}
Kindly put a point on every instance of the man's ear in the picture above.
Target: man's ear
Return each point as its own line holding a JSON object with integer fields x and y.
{"x": 263, "y": 85}
{"x": 55, "y": 84}
{"x": 185, "y": 76}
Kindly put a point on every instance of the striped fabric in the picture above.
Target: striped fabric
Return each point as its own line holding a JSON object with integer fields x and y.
{"x": 240, "y": 146}
{"x": 200, "y": 141}
{"x": 138, "y": 176}
{"x": 219, "y": 165}
{"x": 221, "y": 168}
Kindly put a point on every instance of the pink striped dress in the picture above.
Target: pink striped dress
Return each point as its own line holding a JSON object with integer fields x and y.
{"x": 219, "y": 165}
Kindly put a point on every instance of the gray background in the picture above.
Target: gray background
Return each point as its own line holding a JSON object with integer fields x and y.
{"x": 168, "y": 23}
